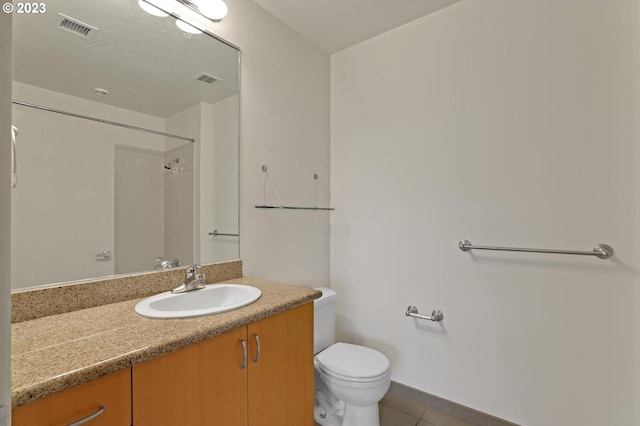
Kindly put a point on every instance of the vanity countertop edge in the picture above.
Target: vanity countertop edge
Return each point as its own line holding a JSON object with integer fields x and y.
{"x": 56, "y": 352}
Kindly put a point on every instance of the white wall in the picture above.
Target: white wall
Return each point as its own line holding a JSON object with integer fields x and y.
{"x": 219, "y": 196}
{"x": 284, "y": 122}
{"x": 505, "y": 123}
{"x": 138, "y": 207}
{"x": 5, "y": 212}
{"x": 216, "y": 177}
{"x": 182, "y": 232}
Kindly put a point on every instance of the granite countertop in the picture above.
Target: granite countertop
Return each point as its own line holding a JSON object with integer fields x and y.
{"x": 57, "y": 352}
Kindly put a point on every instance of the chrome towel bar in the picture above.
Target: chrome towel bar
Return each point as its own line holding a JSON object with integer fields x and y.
{"x": 436, "y": 315}
{"x": 215, "y": 233}
{"x": 295, "y": 208}
{"x": 601, "y": 251}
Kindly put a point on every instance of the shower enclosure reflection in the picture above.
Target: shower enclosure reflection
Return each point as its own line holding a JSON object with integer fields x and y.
{"x": 96, "y": 199}
{"x": 88, "y": 188}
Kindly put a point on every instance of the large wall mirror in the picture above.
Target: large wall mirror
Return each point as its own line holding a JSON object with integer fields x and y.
{"x": 127, "y": 145}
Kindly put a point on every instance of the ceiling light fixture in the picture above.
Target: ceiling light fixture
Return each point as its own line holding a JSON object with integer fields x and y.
{"x": 187, "y": 28}
{"x": 212, "y": 9}
{"x": 151, "y": 9}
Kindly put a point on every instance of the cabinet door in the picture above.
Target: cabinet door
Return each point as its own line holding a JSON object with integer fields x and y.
{"x": 111, "y": 392}
{"x": 199, "y": 385}
{"x": 281, "y": 378}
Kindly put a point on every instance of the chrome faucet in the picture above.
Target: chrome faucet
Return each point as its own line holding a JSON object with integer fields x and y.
{"x": 165, "y": 264}
{"x": 194, "y": 281}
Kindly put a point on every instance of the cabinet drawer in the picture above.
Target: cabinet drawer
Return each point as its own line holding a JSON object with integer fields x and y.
{"x": 113, "y": 392}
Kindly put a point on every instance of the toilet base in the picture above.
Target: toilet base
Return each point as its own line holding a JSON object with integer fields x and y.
{"x": 340, "y": 414}
{"x": 357, "y": 416}
{"x": 323, "y": 412}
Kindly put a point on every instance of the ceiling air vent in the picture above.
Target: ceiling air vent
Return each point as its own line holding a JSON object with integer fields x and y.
{"x": 205, "y": 78}
{"x": 75, "y": 27}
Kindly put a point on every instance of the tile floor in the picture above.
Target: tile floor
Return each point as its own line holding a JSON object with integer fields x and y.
{"x": 399, "y": 411}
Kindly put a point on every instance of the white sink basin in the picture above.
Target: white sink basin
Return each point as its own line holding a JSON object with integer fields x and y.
{"x": 212, "y": 299}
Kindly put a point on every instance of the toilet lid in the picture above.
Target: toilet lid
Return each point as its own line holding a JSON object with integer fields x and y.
{"x": 358, "y": 362}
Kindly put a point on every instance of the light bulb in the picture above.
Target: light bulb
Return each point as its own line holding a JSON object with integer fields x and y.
{"x": 213, "y": 9}
{"x": 187, "y": 28}
{"x": 151, "y": 9}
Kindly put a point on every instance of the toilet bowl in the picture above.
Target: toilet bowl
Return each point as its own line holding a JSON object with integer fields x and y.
{"x": 350, "y": 379}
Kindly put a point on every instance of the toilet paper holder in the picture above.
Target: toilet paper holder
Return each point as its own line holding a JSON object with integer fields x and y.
{"x": 412, "y": 311}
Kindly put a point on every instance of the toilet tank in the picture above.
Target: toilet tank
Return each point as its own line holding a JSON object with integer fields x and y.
{"x": 324, "y": 319}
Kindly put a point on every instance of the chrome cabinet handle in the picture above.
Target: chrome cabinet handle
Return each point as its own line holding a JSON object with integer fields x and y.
{"x": 257, "y": 357}
{"x": 14, "y": 155}
{"x": 88, "y": 418}
{"x": 244, "y": 354}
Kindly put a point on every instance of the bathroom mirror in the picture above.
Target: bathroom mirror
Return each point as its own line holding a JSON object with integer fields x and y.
{"x": 127, "y": 146}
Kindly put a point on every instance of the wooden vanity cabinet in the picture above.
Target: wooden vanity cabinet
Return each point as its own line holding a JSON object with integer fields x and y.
{"x": 214, "y": 383}
{"x": 280, "y": 383}
{"x": 111, "y": 392}
{"x": 201, "y": 384}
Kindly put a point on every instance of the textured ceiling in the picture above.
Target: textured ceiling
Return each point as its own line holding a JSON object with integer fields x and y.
{"x": 145, "y": 62}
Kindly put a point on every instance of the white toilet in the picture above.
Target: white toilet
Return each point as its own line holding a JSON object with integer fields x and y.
{"x": 349, "y": 379}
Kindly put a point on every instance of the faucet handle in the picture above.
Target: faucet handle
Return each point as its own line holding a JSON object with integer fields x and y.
{"x": 193, "y": 269}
